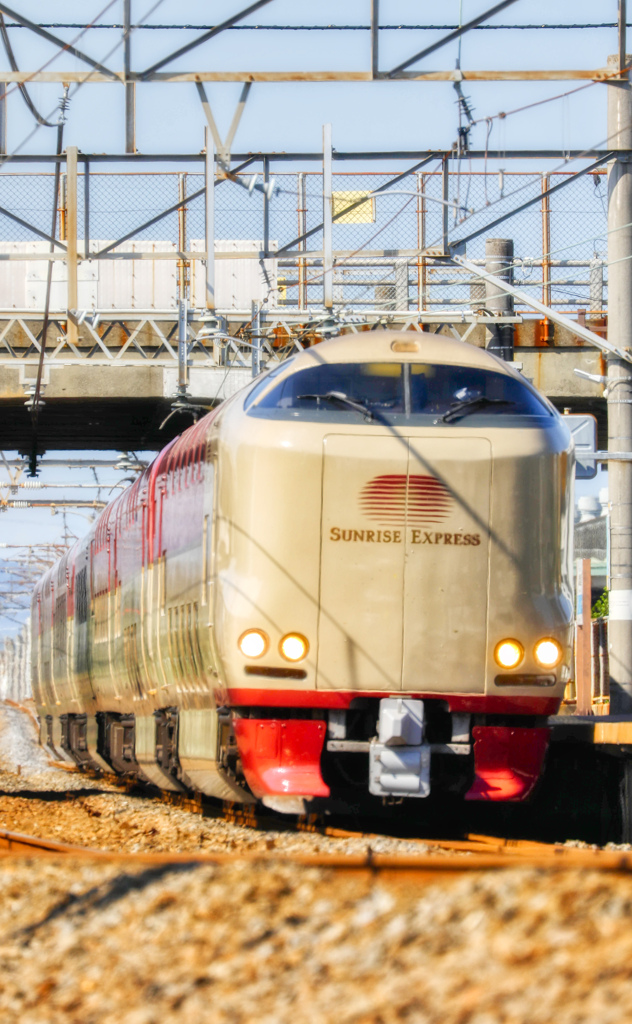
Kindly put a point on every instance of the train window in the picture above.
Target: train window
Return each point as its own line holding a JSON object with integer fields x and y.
{"x": 454, "y": 391}
{"x": 395, "y": 391}
{"x": 263, "y": 382}
{"x": 339, "y": 386}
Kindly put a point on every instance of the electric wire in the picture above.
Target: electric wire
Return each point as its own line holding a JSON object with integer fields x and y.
{"x": 58, "y": 53}
{"x": 335, "y": 28}
{"x": 488, "y": 119}
{"x": 35, "y": 400}
{"x": 22, "y": 87}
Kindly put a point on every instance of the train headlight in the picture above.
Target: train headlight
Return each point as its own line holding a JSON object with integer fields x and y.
{"x": 509, "y": 653}
{"x": 548, "y": 653}
{"x": 253, "y": 643}
{"x": 294, "y": 647}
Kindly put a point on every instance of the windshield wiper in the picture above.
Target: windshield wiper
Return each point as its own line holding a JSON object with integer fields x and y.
{"x": 341, "y": 398}
{"x": 459, "y": 409}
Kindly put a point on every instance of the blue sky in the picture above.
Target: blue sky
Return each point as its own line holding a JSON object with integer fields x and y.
{"x": 387, "y": 115}
{"x": 371, "y": 116}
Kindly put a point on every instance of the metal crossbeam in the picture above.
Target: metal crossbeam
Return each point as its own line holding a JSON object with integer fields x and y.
{"x": 203, "y": 38}
{"x": 451, "y": 36}
{"x": 599, "y": 74}
{"x": 223, "y": 148}
{"x": 353, "y": 206}
{"x": 31, "y": 227}
{"x": 111, "y": 75}
{"x": 531, "y": 202}
{"x": 163, "y": 214}
{"x": 558, "y": 318}
{"x": 148, "y": 223}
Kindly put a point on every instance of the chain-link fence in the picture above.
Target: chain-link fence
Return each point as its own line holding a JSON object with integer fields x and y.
{"x": 381, "y": 233}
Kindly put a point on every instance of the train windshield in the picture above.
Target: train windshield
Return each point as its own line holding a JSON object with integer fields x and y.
{"x": 392, "y": 391}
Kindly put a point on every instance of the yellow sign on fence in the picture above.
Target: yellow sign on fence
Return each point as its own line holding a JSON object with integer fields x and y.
{"x": 362, "y": 214}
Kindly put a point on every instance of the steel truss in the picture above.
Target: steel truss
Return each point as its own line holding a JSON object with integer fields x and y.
{"x": 292, "y": 255}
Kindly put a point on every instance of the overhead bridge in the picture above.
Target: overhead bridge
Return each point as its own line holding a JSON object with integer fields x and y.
{"x": 116, "y": 383}
{"x": 290, "y": 270}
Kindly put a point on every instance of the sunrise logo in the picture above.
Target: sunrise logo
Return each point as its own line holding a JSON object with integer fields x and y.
{"x": 399, "y": 500}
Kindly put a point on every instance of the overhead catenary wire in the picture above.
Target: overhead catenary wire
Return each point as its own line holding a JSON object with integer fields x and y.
{"x": 22, "y": 87}
{"x": 334, "y": 28}
{"x": 35, "y": 400}
{"x": 62, "y": 49}
{"x": 78, "y": 85}
{"x": 550, "y": 99}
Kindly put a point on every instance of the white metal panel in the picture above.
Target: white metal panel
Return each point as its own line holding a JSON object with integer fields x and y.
{"x": 238, "y": 283}
{"x": 12, "y": 279}
{"x": 138, "y": 284}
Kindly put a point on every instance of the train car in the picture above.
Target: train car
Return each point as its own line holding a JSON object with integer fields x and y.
{"x": 348, "y": 586}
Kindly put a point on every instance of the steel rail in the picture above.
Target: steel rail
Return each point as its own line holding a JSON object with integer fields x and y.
{"x": 466, "y": 856}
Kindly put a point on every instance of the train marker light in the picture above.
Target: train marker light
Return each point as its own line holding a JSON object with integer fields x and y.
{"x": 509, "y": 653}
{"x": 253, "y": 643}
{"x": 548, "y": 652}
{"x": 294, "y": 647}
{"x": 405, "y": 346}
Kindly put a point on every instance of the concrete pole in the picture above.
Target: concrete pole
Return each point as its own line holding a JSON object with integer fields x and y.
{"x": 499, "y": 254}
{"x": 71, "y": 240}
{"x": 620, "y": 390}
{"x": 328, "y": 261}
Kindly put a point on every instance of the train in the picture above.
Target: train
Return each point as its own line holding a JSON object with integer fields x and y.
{"x": 347, "y": 586}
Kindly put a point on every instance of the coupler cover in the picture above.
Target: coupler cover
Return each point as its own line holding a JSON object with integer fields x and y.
{"x": 399, "y": 763}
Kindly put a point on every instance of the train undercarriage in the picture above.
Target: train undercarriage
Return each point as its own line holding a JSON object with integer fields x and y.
{"x": 470, "y": 770}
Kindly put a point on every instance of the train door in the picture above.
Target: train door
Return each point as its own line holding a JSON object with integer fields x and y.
{"x": 362, "y": 562}
{"x": 447, "y": 564}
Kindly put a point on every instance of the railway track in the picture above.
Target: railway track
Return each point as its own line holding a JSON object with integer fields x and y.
{"x": 475, "y": 853}
{"x": 454, "y": 855}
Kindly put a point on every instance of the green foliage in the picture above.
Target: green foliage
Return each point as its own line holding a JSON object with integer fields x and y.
{"x": 600, "y": 607}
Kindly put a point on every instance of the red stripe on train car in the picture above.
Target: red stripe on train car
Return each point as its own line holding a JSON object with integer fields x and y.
{"x": 474, "y": 703}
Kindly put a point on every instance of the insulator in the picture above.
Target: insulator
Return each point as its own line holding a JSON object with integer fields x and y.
{"x": 20, "y": 504}
{"x": 31, "y": 484}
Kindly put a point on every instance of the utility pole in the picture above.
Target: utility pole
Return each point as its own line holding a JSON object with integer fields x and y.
{"x": 620, "y": 388}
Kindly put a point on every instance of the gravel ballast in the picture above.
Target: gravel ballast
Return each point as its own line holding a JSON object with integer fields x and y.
{"x": 92, "y": 942}
{"x": 273, "y": 943}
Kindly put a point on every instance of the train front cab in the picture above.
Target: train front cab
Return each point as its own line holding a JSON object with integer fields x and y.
{"x": 407, "y": 548}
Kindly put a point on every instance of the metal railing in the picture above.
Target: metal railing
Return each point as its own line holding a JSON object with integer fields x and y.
{"x": 260, "y": 256}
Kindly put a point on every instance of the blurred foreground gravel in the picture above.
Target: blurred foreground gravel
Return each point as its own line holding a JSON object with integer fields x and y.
{"x": 87, "y": 942}
{"x": 99, "y": 944}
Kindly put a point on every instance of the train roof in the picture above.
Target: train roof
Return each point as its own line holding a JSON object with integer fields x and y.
{"x": 400, "y": 346}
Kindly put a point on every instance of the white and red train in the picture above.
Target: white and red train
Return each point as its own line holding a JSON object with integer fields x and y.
{"x": 350, "y": 583}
